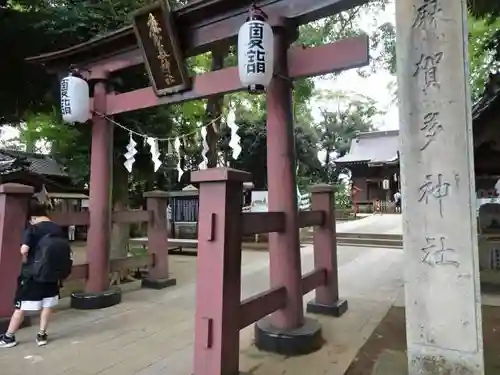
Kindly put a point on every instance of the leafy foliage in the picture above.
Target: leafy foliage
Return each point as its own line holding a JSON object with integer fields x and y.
{"x": 28, "y": 96}
{"x": 487, "y": 9}
{"x": 484, "y": 42}
{"x": 354, "y": 114}
{"x": 346, "y": 24}
{"x": 483, "y": 59}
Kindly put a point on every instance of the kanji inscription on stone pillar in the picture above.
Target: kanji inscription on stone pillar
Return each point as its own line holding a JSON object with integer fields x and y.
{"x": 443, "y": 310}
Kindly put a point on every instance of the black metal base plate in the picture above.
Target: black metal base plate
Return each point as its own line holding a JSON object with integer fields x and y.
{"x": 338, "y": 309}
{"x": 95, "y": 301}
{"x": 158, "y": 284}
{"x": 303, "y": 340}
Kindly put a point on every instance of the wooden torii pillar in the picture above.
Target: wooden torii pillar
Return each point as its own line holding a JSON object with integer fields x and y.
{"x": 203, "y": 25}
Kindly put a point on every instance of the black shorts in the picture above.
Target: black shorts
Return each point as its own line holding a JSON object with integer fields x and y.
{"x": 33, "y": 296}
{"x": 398, "y": 203}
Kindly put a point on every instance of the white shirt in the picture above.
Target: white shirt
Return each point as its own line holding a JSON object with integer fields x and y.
{"x": 497, "y": 187}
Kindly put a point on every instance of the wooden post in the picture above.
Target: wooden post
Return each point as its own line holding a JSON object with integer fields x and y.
{"x": 158, "y": 274}
{"x": 218, "y": 275}
{"x": 98, "y": 243}
{"x": 325, "y": 254}
{"x": 286, "y": 331}
{"x": 14, "y": 199}
{"x": 97, "y": 292}
{"x": 284, "y": 248}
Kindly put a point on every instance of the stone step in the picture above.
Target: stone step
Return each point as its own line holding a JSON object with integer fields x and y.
{"x": 393, "y": 237}
{"x": 370, "y": 242}
{"x": 364, "y": 239}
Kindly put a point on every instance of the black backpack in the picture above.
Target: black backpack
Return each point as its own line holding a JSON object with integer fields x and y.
{"x": 52, "y": 261}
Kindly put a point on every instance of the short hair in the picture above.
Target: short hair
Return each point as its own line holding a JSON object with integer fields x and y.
{"x": 37, "y": 209}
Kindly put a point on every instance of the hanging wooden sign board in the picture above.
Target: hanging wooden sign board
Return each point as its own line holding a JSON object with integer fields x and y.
{"x": 159, "y": 43}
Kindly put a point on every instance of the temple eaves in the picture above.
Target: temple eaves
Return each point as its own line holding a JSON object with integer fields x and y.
{"x": 373, "y": 148}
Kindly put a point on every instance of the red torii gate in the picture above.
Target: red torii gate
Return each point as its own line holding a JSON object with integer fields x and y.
{"x": 204, "y": 25}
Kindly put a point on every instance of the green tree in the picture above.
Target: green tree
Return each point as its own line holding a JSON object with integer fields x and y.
{"x": 347, "y": 24}
{"x": 483, "y": 53}
{"x": 484, "y": 43}
{"x": 253, "y": 157}
{"x": 28, "y": 96}
{"x": 65, "y": 22}
{"x": 488, "y": 9}
{"x": 353, "y": 114}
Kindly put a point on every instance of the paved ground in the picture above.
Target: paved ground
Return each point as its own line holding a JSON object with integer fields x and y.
{"x": 151, "y": 332}
{"x": 382, "y": 224}
{"x": 385, "y": 351}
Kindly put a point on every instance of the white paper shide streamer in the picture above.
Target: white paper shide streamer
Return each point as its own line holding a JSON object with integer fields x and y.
{"x": 155, "y": 152}
{"x": 220, "y": 160}
{"x": 321, "y": 155}
{"x": 204, "y": 151}
{"x": 303, "y": 200}
{"x": 130, "y": 155}
{"x": 235, "y": 138}
{"x": 177, "y": 148}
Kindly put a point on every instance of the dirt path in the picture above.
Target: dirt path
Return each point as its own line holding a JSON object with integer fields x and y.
{"x": 390, "y": 335}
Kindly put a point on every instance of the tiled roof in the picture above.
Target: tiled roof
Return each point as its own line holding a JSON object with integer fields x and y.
{"x": 9, "y": 166}
{"x": 35, "y": 163}
{"x": 373, "y": 147}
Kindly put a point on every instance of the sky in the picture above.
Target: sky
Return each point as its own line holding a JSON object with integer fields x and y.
{"x": 375, "y": 86}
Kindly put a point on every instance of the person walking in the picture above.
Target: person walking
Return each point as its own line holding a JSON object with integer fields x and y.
{"x": 71, "y": 232}
{"x": 46, "y": 256}
{"x": 397, "y": 201}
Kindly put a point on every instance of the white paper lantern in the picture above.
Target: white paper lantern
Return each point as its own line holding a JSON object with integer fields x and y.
{"x": 255, "y": 54}
{"x": 75, "y": 99}
{"x": 385, "y": 184}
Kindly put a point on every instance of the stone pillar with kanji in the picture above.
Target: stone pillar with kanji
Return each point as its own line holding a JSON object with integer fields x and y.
{"x": 443, "y": 301}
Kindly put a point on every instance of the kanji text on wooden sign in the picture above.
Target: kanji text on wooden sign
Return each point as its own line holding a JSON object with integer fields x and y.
{"x": 159, "y": 44}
